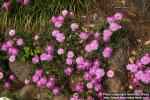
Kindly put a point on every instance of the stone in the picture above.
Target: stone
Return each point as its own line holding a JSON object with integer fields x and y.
{"x": 27, "y": 92}
{"x": 22, "y": 70}
{"x": 117, "y": 63}
{"x": 60, "y": 97}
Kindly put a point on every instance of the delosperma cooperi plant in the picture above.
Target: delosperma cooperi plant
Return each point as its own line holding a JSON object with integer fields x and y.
{"x": 74, "y": 58}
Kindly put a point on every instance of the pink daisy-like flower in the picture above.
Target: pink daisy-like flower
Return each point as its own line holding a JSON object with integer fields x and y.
{"x": 55, "y": 33}
{"x": 20, "y": 42}
{"x": 26, "y": 81}
{"x": 96, "y": 35}
{"x": 1, "y": 75}
{"x": 132, "y": 67}
{"x": 56, "y": 91}
{"x": 7, "y": 85}
{"x": 35, "y": 78}
{"x": 70, "y": 54}
{"x": 61, "y": 18}
{"x": 9, "y": 43}
{"x": 118, "y": 16}
{"x": 58, "y": 24}
{"x": 89, "y": 85}
{"x": 64, "y": 13}
{"x": 6, "y": 5}
{"x": 26, "y": 2}
{"x": 49, "y": 49}
{"x": 54, "y": 19}
{"x": 83, "y": 35}
{"x": 87, "y": 76}
{"x": 13, "y": 51}
{"x": 68, "y": 71}
{"x": 114, "y": 26}
{"x": 107, "y": 52}
{"x": 12, "y": 58}
{"x": 35, "y": 60}
{"x": 4, "y": 47}
{"x": 69, "y": 61}
{"x": 79, "y": 60}
{"x": 12, "y": 32}
{"x": 107, "y": 34}
{"x": 50, "y": 84}
{"x": 111, "y": 19}
{"x": 74, "y": 26}
{"x": 60, "y": 51}
{"x": 78, "y": 87}
{"x": 110, "y": 73}
{"x": 12, "y": 77}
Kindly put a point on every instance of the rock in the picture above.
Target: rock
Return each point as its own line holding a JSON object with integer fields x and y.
{"x": 117, "y": 63}
{"x": 60, "y": 97}
{"x": 22, "y": 70}
{"x": 27, "y": 92}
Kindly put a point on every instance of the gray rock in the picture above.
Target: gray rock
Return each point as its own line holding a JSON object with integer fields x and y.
{"x": 117, "y": 63}
{"x": 22, "y": 70}
{"x": 60, "y": 97}
{"x": 27, "y": 92}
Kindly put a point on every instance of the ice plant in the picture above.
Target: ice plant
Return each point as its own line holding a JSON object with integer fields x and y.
{"x": 110, "y": 73}
{"x": 1, "y": 75}
{"x": 12, "y": 32}
{"x": 20, "y": 42}
{"x": 107, "y": 52}
{"x": 74, "y": 26}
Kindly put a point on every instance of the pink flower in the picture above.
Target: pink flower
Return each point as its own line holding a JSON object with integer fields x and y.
{"x": 12, "y": 77}
{"x": 12, "y": 32}
{"x": 145, "y": 59}
{"x": 50, "y": 84}
{"x": 60, "y": 38}
{"x": 92, "y": 46}
{"x": 107, "y": 34}
{"x": 54, "y": 19}
{"x": 4, "y": 47}
{"x": 118, "y": 16}
{"x": 68, "y": 71}
{"x": 132, "y": 67}
{"x": 69, "y": 61}
{"x": 60, "y": 51}
{"x": 26, "y": 2}
{"x": 114, "y": 26}
{"x": 49, "y": 49}
{"x": 55, "y": 33}
{"x": 60, "y": 18}
{"x": 83, "y": 35}
{"x": 79, "y": 60}
{"x": 42, "y": 82}
{"x": 9, "y": 43}
{"x": 1, "y": 75}
{"x": 58, "y": 24}
{"x": 35, "y": 78}
{"x": 12, "y": 58}
{"x": 99, "y": 73}
{"x": 56, "y": 91}
{"x": 6, "y": 5}
{"x": 111, "y": 19}
{"x": 78, "y": 87}
{"x": 7, "y": 85}
{"x": 87, "y": 76}
{"x": 20, "y": 42}
{"x": 13, "y": 51}
{"x": 35, "y": 60}
{"x": 96, "y": 63}
{"x": 70, "y": 54}
{"x": 107, "y": 51}
{"x": 38, "y": 72}
{"x": 74, "y": 26}
{"x": 110, "y": 73}
{"x": 96, "y": 35}
{"x": 64, "y": 13}
{"x": 89, "y": 85}
{"x": 26, "y": 81}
